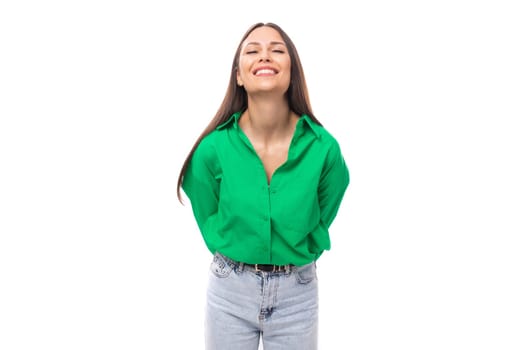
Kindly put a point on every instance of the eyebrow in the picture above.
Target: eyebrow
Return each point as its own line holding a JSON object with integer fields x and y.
{"x": 271, "y": 43}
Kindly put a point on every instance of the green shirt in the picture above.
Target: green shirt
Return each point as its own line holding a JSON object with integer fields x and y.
{"x": 243, "y": 217}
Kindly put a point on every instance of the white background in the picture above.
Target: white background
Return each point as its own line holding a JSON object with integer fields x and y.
{"x": 100, "y": 102}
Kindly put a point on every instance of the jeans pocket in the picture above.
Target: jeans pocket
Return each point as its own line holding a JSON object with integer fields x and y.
{"x": 219, "y": 267}
{"x": 306, "y": 274}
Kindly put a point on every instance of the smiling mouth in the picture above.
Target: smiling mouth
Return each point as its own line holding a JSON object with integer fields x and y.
{"x": 265, "y": 71}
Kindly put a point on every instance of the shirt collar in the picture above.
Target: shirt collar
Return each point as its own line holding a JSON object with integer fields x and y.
{"x": 311, "y": 125}
{"x": 234, "y": 118}
{"x": 300, "y": 123}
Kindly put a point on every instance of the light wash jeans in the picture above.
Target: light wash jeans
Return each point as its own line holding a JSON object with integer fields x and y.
{"x": 245, "y": 306}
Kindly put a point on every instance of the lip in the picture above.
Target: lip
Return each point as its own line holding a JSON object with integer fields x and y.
{"x": 275, "y": 71}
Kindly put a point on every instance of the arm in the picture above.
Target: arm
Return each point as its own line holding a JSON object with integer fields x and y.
{"x": 201, "y": 184}
{"x": 332, "y": 185}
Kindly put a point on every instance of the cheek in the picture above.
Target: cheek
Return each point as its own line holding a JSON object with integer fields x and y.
{"x": 244, "y": 69}
{"x": 287, "y": 67}
{"x": 288, "y": 74}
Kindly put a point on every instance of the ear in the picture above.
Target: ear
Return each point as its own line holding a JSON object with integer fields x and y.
{"x": 239, "y": 80}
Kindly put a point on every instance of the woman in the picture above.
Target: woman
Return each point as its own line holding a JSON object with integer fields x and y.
{"x": 265, "y": 180}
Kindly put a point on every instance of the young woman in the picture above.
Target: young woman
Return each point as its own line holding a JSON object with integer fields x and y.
{"x": 265, "y": 180}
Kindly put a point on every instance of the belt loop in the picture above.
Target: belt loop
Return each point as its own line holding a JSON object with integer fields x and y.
{"x": 241, "y": 266}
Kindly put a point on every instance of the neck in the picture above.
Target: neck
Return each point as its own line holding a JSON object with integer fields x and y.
{"x": 267, "y": 114}
{"x": 268, "y": 121}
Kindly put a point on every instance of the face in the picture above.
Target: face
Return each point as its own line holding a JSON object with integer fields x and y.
{"x": 264, "y": 62}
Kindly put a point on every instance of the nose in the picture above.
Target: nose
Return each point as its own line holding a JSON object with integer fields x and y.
{"x": 265, "y": 57}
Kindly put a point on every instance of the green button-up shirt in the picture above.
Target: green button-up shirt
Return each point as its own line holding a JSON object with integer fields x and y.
{"x": 243, "y": 217}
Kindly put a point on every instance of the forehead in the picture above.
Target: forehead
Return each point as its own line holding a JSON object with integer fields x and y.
{"x": 263, "y": 35}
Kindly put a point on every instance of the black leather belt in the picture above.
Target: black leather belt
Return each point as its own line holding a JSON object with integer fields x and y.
{"x": 269, "y": 268}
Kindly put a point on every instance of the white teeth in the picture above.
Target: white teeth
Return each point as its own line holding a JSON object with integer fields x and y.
{"x": 264, "y": 71}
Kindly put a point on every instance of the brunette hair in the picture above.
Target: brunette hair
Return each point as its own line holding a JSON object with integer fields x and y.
{"x": 236, "y": 99}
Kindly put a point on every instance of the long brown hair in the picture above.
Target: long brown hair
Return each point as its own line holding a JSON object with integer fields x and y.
{"x": 236, "y": 99}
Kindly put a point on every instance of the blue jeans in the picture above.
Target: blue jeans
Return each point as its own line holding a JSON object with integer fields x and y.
{"x": 245, "y": 306}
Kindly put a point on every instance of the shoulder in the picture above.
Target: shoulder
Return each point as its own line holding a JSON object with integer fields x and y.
{"x": 323, "y": 135}
{"x": 327, "y": 144}
{"x": 326, "y": 136}
{"x": 207, "y": 146}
